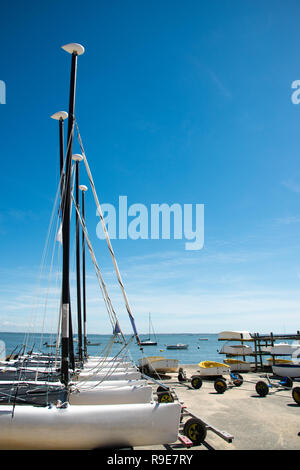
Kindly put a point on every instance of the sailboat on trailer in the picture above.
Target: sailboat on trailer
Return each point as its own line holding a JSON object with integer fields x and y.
{"x": 66, "y": 426}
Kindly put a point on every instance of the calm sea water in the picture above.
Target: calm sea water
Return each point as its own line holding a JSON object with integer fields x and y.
{"x": 197, "y": 350}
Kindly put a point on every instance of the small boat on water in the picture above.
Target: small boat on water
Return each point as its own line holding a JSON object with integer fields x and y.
{"x": 237, "y": 365}
{"x": 211, "y": 368}
{"x": 89, "y": 343}
{"x": 148, "y": 341}
{"x": 178, "y": 346}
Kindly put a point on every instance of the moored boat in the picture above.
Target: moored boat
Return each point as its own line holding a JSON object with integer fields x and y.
{"x": 178, "y": 346}
{"x": 148, "y": 341}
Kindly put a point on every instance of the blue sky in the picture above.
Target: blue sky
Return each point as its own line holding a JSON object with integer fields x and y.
{"x": 177, "y": 102}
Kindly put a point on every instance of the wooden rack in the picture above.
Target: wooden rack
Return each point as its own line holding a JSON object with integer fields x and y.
{"x": 259, "y": 341}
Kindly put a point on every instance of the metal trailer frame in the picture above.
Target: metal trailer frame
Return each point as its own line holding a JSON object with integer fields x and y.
{"x": 221, "y": 383}
{"x": 192, "y": 429}
{"x": 263, "y": 388}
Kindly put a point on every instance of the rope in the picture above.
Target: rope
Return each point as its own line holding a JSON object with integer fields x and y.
{"x": 107, "y": 300}
{"x": 107, "y": 238}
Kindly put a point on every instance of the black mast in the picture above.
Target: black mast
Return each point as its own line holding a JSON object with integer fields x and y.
{"x": 66, "y": 325}
{"x": 77, "y": 158}
{"x": 83, "y": 190}
{"x": 60, "y": 116}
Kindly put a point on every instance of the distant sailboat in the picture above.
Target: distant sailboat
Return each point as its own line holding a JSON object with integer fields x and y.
{"x": 178, "y": 346}
{"x": 148, "y": 342}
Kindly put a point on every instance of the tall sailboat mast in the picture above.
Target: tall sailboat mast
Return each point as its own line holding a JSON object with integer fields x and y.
{"x": 60, "y": 116}
{"x": 78, "y": 158}
{"x": 83, "y": 189}
{"x": 75, "y": 50}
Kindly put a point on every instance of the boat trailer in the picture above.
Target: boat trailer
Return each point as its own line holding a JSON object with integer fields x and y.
{"x": 264, "y": 388}
{"x": 192, "y": 429}
{"x": 221, "y": 384}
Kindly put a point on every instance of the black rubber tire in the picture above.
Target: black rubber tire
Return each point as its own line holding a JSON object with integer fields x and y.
{"x": 196, "y": 382}
{"x": 165, "y": 397}
{"x": 162, "y": 389}
{"x": 296, "y": 394}
{"x": 181, "y": 377}
{"x": 195, "y": 431}
{"x": 238, "y": 381}
{"x": 262, "y": 388}
{"x": 220, "y": 385}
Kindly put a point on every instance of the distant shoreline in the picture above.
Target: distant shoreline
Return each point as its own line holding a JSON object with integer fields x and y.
{"x": 102, "y": 334}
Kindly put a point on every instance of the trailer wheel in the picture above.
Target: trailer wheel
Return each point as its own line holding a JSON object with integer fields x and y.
{"x": 181, "y": 375}
{"x": 196, "y": 382}
{"x": 195, "y": 431}
{"x": 262, "y": 388}
{"x": 162, "y": 389}
{"x": 296, "y": 394}
{"x": 165, "y": 397}
{"x": 237, "y": 380}
{"x": 287, "y": 382}
{"x": 220, "y": 385}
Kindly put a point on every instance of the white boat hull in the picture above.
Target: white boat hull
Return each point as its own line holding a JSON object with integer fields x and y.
{"x": 110, "y": 383}
{"x": 164, "y": 365}
{"x": 159, "y": 364}
{"x": 88, "y": 427}
{"x": 237, "y": 350}
{"x": 286, "y": 370}
{"x": 239, "y": 366}
{"x": 282, "y": 349}
{"x": 109, "y": 376}
{"x": 213, "y": 371}
{"x": 111, "y": 395}
{"x": 114, "y": 365}
{"x": 210, "y": 368}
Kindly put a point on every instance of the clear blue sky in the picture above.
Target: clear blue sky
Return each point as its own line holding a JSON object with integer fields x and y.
{"x": 177, "y": 102}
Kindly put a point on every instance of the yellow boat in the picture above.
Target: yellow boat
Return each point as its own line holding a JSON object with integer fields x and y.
{"x": 272, "y": 360}
{"x": 213, "y": 368}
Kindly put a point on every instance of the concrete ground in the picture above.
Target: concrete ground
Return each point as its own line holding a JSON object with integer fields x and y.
{"x": 256, "y": 423}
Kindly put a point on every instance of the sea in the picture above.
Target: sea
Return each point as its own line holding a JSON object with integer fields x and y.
{"x": 201, "y": 347}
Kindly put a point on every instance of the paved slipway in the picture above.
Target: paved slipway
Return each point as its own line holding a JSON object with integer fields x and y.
{"x": 256, "y": 423}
